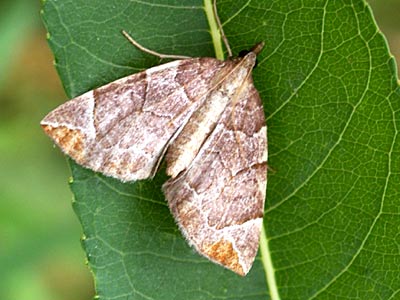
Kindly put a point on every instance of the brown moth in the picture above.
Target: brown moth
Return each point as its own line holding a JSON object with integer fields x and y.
{"x": 206, "y": 118}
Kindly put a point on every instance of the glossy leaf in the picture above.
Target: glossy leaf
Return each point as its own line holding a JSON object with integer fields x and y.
{"x": 332, "y": 103}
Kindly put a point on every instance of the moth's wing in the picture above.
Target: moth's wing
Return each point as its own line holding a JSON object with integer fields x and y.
{"x": 121, "y": 129}
{"x": 219, "y": 200}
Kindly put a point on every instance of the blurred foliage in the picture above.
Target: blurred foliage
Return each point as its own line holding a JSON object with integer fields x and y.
{"x": 387, "y": 15}
{"x": 40, "y": 253}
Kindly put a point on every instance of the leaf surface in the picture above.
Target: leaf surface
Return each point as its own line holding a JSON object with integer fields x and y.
{"x": 332, "y": 101}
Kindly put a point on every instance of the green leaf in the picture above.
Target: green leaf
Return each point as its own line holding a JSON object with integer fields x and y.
{"x": 332, "y": 103}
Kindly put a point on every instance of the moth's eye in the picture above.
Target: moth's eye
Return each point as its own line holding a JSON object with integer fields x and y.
{"x": 243, "y": 53}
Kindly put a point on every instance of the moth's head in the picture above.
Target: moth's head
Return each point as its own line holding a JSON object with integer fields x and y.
{"x": 256, "y": 49}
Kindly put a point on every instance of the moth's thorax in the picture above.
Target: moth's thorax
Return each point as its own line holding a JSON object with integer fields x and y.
{"x": 187, "y": 144}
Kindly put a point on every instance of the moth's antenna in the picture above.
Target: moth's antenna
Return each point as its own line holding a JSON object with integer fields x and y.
{"x": 146, "y": 50}
{"x": 221, "y": 30}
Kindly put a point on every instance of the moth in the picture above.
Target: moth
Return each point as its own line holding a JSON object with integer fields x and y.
{"x": 205, "y": 118}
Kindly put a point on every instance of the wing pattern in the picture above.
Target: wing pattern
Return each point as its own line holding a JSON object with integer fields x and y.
{"x": 207, "y": 117}
{"x": 123, "y": 128}
{"x": 218, "y": 201}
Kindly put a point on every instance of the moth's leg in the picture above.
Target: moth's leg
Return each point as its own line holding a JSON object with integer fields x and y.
{"x": 221, "y": 30}
{"x": 146, "y": 50}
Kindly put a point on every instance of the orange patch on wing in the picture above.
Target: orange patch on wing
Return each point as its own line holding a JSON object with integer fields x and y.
{"x": 223, "y": 252}
{"x": 69, "y": 140}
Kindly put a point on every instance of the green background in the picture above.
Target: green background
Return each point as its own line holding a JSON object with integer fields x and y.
{"x": 40, "y": 252}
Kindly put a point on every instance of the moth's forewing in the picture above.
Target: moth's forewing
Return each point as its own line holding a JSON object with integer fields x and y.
{"x": 123, "y": 128}
{"x": 218, "y": 200}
